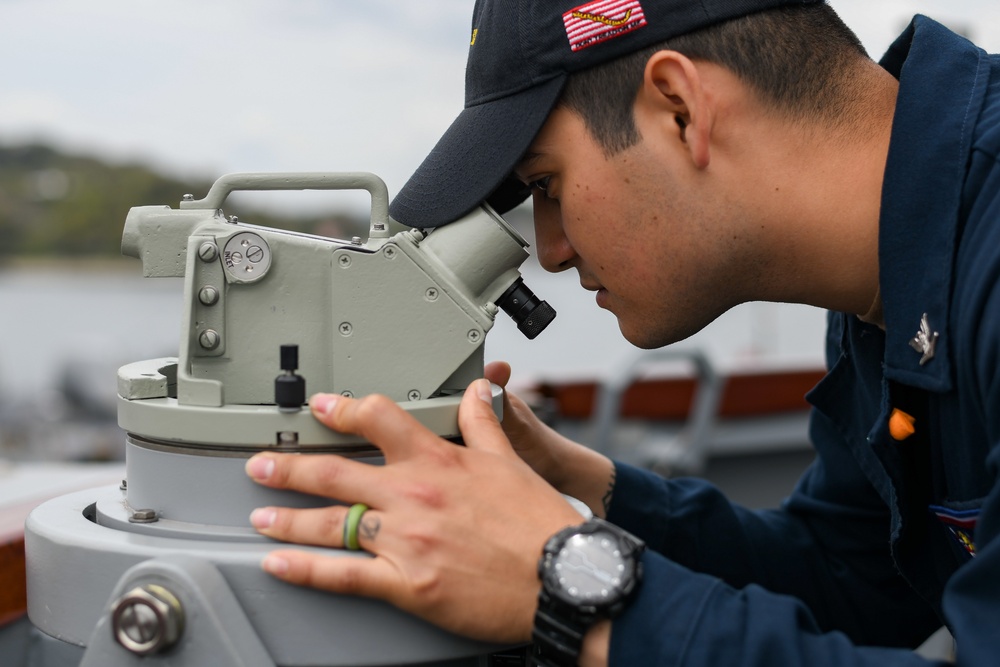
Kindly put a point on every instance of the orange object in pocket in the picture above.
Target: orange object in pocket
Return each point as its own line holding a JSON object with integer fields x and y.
{"x": 901, "y": 425}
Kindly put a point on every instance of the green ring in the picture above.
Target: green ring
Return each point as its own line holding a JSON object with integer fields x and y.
{"x": 351, "y": 524}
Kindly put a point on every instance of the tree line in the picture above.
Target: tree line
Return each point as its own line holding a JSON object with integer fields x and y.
{"x": 57, "y": 204}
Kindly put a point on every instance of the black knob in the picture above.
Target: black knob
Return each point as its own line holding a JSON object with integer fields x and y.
{"x": 289, "y": 357}
{"x": 289, "y": 388}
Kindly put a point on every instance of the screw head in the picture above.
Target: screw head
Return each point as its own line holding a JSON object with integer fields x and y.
{"x": 187, "y": 197}
{"x": 346, "y": 329}
{"x": 255, "y": 253}
{"x": 208, "y": 252}
{"x": 344, "y": 261}
{"x": 208, "y": 295}
{"x": 347, "y": 394}
{"x": 414, "y": 395}
{"x": 431, "y": 294}
{"x": 209, "y": 339}
{"x": 389, "y": 252}
{"x": 475, "y": 335}
{"x": 143, "y": 516}
{"x": 288, "y": 437}
{"x": 147, "y": 619}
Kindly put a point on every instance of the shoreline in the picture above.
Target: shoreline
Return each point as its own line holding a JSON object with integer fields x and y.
{"x": 50, "y": 263}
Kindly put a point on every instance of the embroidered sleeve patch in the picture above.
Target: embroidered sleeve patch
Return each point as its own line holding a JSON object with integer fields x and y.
{"x": 961, "y": 524}
{"x": 597, "y": 22}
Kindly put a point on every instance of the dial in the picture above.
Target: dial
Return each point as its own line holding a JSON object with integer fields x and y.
{"x": 591, "y": 568}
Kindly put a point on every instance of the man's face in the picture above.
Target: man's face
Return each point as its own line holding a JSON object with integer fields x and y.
{"x": 645, "y": 229}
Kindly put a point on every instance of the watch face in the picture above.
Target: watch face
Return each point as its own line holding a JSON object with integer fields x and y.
{"x": 591, "y": 569}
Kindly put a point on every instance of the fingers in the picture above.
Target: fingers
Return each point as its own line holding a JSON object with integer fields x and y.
{"x": 497, "y": 372}
{"x": 377, "y": 419}
{"x": 325, "y": 475}
{"x": 371, "y": 577}
{"x": 321, "y": 526}
{"x": 478, "y": 423}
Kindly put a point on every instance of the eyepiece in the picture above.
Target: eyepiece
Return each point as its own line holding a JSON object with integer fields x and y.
{"x": 530, "y": 313}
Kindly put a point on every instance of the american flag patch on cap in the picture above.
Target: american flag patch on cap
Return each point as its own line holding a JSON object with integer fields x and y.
{"x": 597, "y": 22}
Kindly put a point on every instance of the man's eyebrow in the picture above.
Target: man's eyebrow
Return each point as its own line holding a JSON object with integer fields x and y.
{"x": 526, "y": 162}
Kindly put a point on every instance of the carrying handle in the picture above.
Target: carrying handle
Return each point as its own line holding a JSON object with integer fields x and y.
{"x": 304, "y": 180}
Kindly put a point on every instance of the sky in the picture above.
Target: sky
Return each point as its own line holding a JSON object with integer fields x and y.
{"x": 207, "y": 87}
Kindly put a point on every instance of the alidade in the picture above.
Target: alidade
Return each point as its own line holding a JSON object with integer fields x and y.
{"x": 167, "y": 566}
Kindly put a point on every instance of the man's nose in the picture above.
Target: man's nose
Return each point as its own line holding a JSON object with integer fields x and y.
{"x": 555, "y": 253}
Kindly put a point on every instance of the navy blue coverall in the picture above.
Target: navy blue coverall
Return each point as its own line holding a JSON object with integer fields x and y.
{"x": 883, "y": 540}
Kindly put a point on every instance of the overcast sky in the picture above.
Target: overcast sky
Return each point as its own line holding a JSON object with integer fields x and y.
{"x": 209, "y": 87}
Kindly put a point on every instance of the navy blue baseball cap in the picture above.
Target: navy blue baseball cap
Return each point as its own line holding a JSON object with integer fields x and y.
{"x": 520, "y": 55}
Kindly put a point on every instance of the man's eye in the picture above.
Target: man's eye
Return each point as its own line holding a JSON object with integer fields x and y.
{"x": 542, "y": 184}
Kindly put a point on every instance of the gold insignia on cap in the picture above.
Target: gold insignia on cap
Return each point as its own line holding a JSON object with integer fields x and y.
{"x": 601, "y": 18}
{"x": 925, "y": 340}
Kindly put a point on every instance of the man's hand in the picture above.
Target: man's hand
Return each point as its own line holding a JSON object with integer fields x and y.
{"x": 572, "y": 468}
{"x": 456, "y": 531}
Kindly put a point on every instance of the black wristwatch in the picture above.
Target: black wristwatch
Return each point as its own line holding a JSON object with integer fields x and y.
{"x": 589, "y": 572}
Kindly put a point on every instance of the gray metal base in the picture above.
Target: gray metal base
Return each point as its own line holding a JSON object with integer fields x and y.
{"x": 24, "y": 645}
{"x": 76, "y": 567}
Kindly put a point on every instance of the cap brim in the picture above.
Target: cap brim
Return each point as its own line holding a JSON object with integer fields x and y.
{"x": 474, "y": 157}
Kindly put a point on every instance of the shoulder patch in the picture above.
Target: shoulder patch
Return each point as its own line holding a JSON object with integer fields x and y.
{"x": 961, "y": 524}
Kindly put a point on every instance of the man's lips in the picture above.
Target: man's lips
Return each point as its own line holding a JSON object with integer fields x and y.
{"x": 602, "y": 294}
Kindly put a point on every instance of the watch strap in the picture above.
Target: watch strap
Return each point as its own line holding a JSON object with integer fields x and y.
{"x": 557, "y": 639}
{"x": 559, "y": 627}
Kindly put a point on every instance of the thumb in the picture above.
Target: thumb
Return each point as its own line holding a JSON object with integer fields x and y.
{"x": 497, "y": 372}
{"x": 479, "y": 424}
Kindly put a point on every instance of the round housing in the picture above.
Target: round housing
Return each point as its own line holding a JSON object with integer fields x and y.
{"x": 593, "y": 568}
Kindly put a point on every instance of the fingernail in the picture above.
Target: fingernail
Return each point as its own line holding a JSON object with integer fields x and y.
{"x": 484, "y": 391}
{"x": 275, "y": 565}
{"x": 263, "y": 517}
{"x": 260, "y": 467}
{"x": 322, "y": 404}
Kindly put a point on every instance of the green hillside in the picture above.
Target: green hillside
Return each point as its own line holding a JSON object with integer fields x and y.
{"x": 57, "y": 204}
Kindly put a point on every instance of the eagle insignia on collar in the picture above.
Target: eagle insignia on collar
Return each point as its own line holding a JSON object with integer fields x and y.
{"x": 925, "y": 340}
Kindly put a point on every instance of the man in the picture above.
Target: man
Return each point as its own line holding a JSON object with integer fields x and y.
{"x": 685, "y": 157}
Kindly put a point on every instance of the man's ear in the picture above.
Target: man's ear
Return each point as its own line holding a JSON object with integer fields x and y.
{"x": 673, "y": 93}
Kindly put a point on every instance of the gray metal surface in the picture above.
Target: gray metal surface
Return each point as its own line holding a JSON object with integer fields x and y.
{"x": 24, "y": 645}
{"x": 211, "y": 493}
{"x": 403, "y": 315}
{"x": 76, "y": 565}
{"x": 249, "y": 427}
{"x": 217, "y": 631}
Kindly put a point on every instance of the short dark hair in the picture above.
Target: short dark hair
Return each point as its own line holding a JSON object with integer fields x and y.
{"x": 797, "y": 58}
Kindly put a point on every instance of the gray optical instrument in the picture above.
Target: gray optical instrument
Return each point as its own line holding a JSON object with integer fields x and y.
{"x": 166, "y": 566}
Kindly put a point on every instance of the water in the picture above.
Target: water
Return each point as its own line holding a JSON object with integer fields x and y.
{"x": 57, "y": 316}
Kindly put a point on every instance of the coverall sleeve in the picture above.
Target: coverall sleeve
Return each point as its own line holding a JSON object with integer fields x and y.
{"x": 728, "y": 586}
{"x": 684, "y": 618}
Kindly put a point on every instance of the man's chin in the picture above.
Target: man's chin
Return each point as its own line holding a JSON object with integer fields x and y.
{"x": 640, "y": 337}
{"x": 646, "y": 337}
